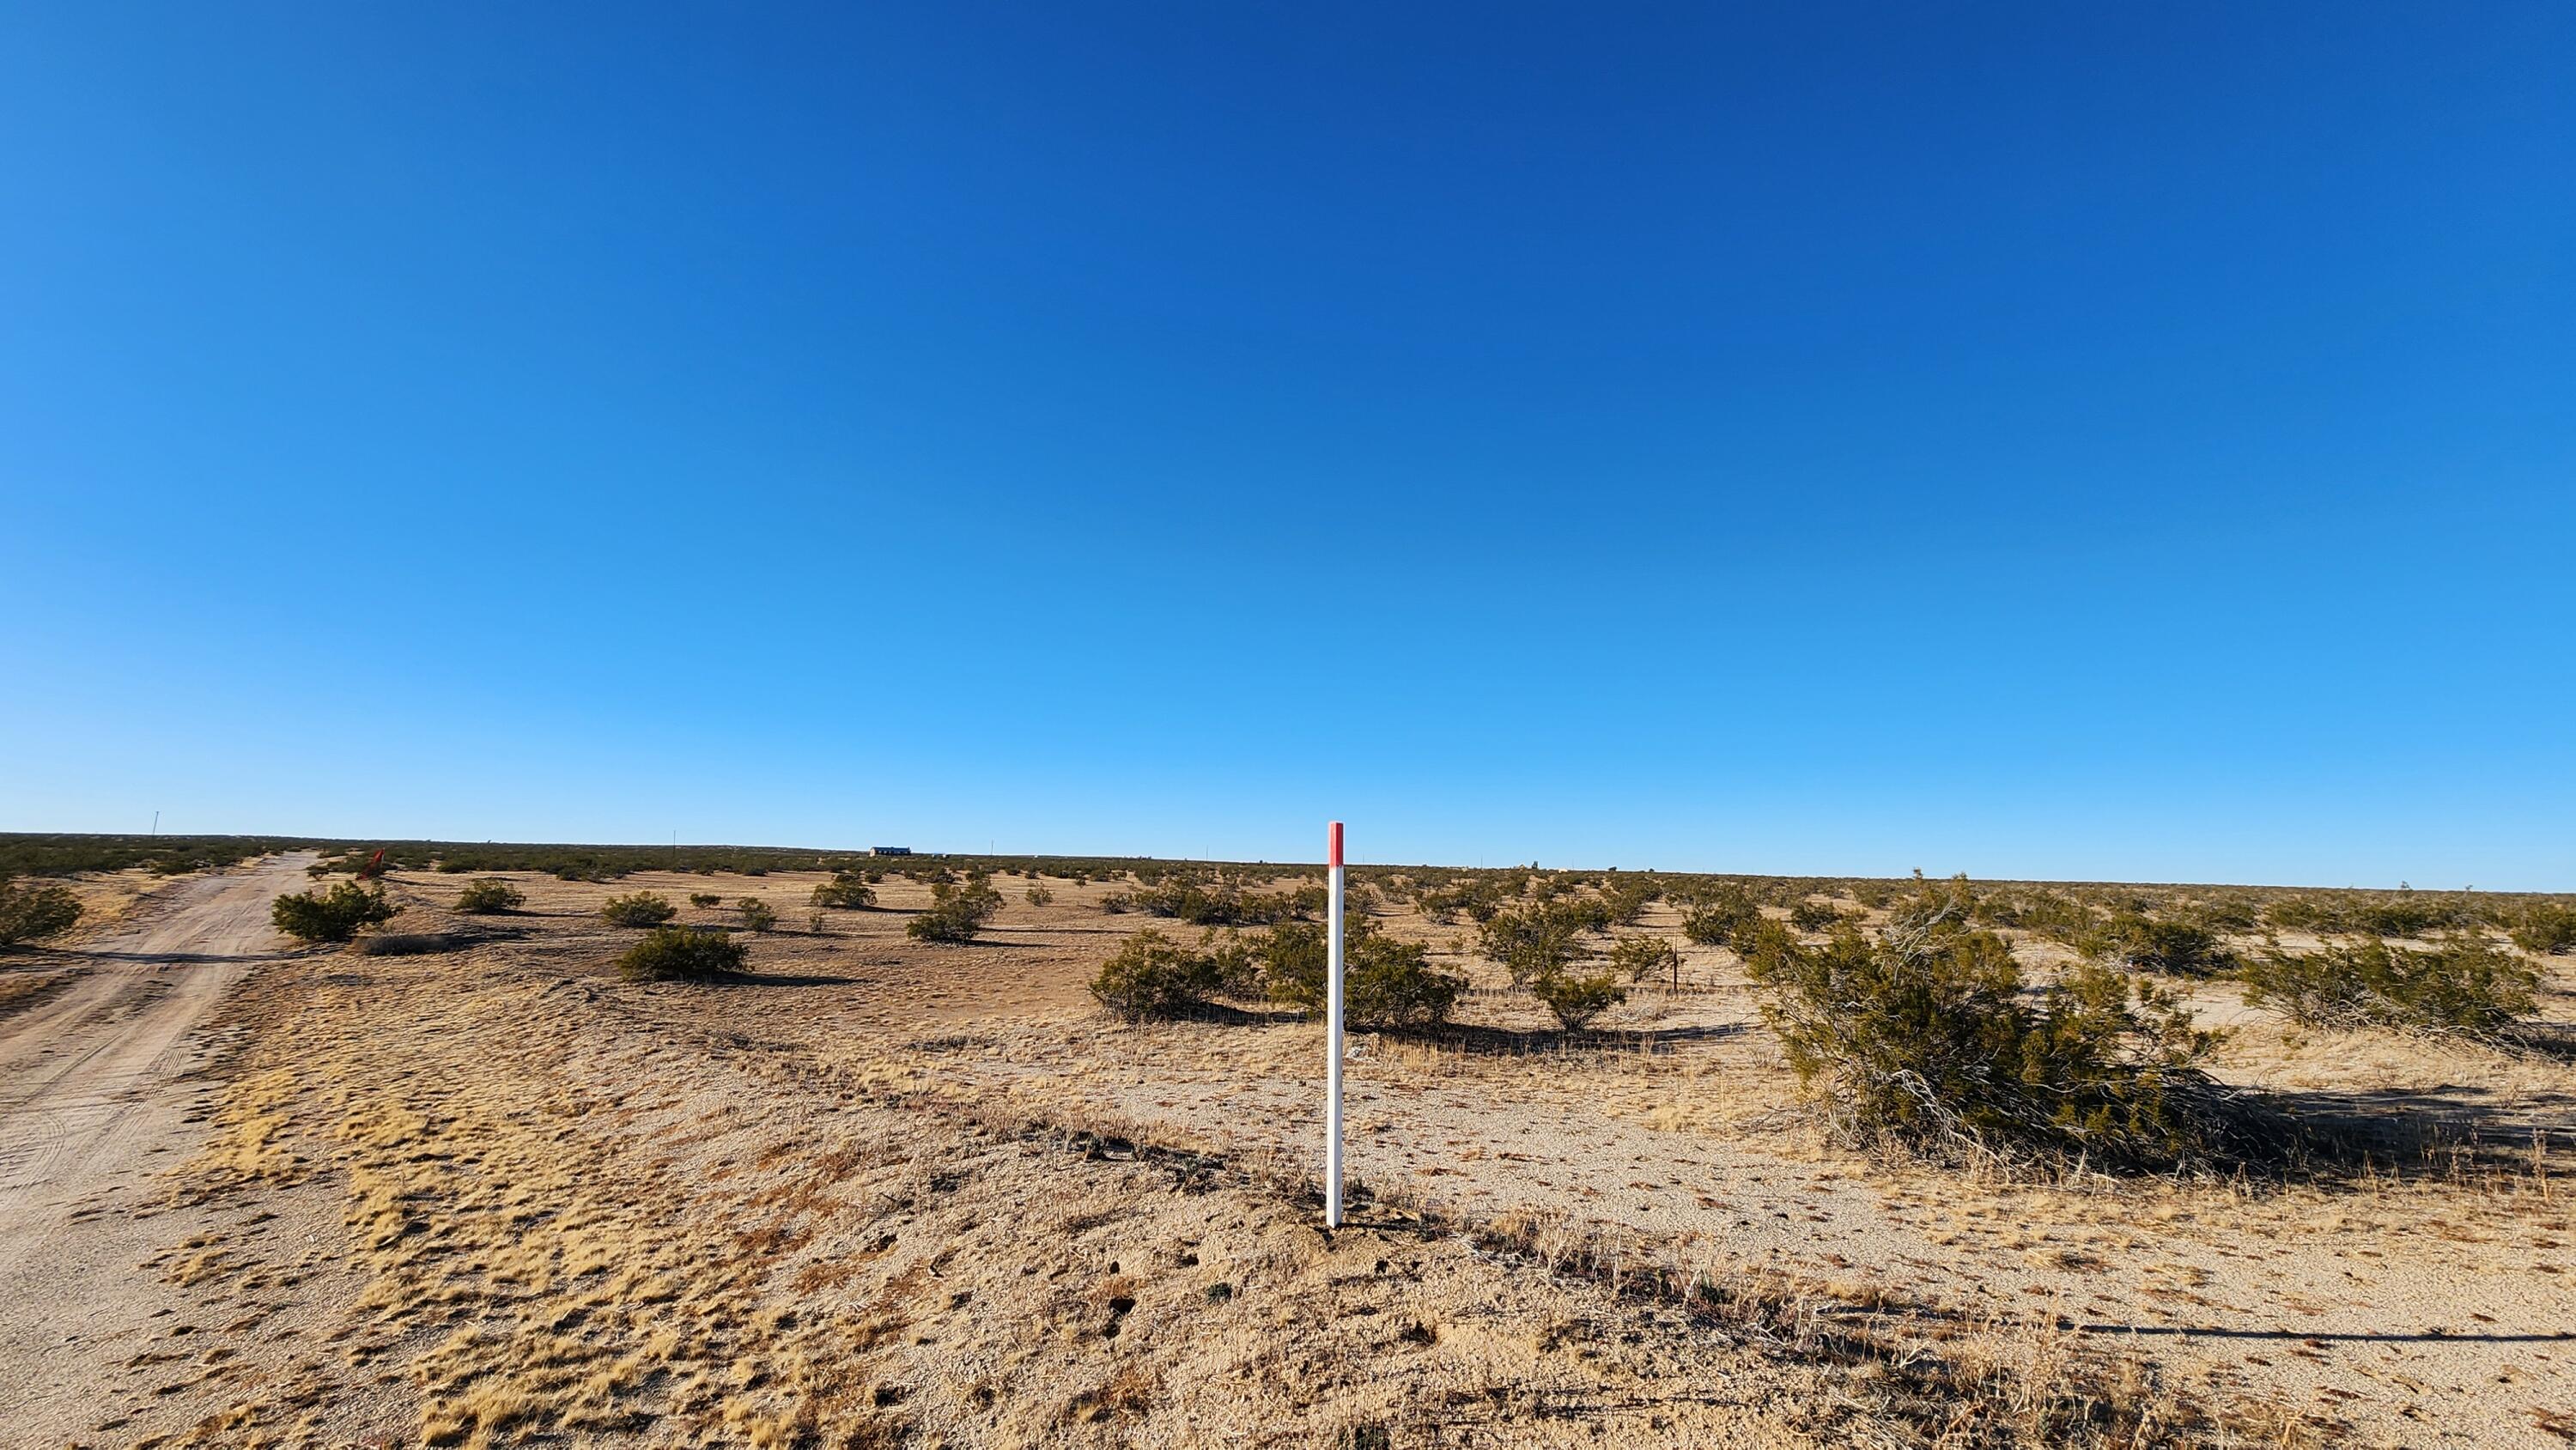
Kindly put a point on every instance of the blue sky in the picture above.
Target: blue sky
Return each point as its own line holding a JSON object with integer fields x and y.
{"x": 2060, "y": 441}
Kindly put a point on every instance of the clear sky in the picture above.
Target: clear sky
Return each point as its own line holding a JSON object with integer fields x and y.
{"x": 2048, "y": 440}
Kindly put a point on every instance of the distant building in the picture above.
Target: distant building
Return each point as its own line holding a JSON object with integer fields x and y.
{"x": 889, "y": 850}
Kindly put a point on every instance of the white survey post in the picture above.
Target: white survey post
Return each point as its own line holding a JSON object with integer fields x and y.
{"x": 1333, "y": 1042}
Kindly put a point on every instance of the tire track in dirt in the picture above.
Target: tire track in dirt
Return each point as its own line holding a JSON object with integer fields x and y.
{"x": 91, "y": 1099}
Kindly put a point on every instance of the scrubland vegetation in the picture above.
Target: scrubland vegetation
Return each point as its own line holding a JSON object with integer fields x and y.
{"x": 1923, "y": 1039}
{"x": 958, "y": 910}
{"x": 2465, "y": 985}
{"x": 490, "y": 896}
{"x": 680, "y": 954}
{"x": 1936, "y": 1147}
{"x": 33, "y": 912}
{"x": 335, "y": 915}
{"x": 641, "y": 908}
{"x": 65, "y": 855}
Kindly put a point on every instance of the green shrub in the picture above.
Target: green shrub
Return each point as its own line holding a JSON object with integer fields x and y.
{"x": 1640, "y": 957}
{"x": 1810, "y": 914}
{"x": 706, "y": 900}
{"x": 1039, "y": 896}
{"x": 958, "y": 910}
{"x": 491, "y": 896}
{"x": 850, "y": 892}
{"x": 2160, "y": 944}
{"x": 1150, "y": 975}
{"x": 2464, "y": 984}
{"x": 28, "y": 913}
{"x": 682, "y": 954}
{"x": 643, "y": 908}
{"x": 2405, "y": 915}
{"x": 2228, "y": 913}
{"x": 1923, "y": 1042}
{"x": 1386, "y": 983}
{"x": 1717, "y": 918}
{"x": 2547, "y": 930}
{"x": 757, "y": 914}
{"x": 1390, "y": 984}
{"x": 1294, "y": 957}
{"x": 1628, "y": 897}
{"x": 1223, "y": 903}
{"x": 334, "y": 915}
{"x": 2059, "y": 918}
{"x": 1539, "y": 939}
{"x": 1578, "y": 998}
{"x": 1943, "y": 905}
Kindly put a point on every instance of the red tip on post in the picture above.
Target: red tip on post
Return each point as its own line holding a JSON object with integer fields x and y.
{"x": 1337, "y": 845}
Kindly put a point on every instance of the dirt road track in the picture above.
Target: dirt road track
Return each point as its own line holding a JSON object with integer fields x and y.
{"x": 92, "y": 1110}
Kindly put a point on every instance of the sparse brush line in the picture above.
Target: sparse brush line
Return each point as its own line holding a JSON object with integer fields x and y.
{"x": 1950, "y": 1384}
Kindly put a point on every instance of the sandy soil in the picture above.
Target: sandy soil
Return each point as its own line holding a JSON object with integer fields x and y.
{"x": 897, "y": 1193}
{"x": 93, "y": 1100}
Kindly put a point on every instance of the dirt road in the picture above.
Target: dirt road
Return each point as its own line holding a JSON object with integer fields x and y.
{"x": 93, "y": 1108}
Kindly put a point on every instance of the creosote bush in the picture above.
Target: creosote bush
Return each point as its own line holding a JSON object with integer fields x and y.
{"x": 334, "y": 915}
{"x": 1809, "y": 914}
{"x": 2463, "y": 985}
{"x": 1577, "y": 998}
{"x": 2159, "y": 944}
{"x": 958, "y": 910}
{"x": 28, "y": 913}
{"x": 1542, "y": 938}
{"x": 643, "y": 908}
{"x": 2547, "y": 930}
{"x": 1719, "y": 917}
{"x": 1640, "y": 957}
{"x": 706, "y": 900}
{"x": 1151, "y": 975}
{"x": 682, "y": 954}
{"x": 1922, "y": 1042}
{"x": 757, "y": 914}
{"x": 1628, "y": 897}
{"x": 847, "y": 890}
{"x": 1038, "y": 895}
{"x": 490, "y": 896}
{"x": 1386, "y": 984}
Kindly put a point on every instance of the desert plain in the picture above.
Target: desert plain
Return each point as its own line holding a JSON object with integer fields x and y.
{"x": 882, "y": 1191}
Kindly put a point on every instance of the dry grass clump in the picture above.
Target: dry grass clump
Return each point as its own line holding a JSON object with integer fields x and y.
{"x": 20, "y": 991}
{"x": 1993, "y": 1383}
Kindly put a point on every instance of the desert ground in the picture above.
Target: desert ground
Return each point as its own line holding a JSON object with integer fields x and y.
{"x": 883, "y": 1191}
